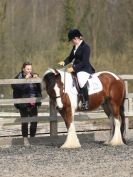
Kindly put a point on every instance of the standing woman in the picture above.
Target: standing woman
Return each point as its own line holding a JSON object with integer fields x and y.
{"x": 27, "y": 91}
{"x": 80, "y": 55}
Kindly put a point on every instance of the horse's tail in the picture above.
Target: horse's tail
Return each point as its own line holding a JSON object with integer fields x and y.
{"x": 123, "y": 123}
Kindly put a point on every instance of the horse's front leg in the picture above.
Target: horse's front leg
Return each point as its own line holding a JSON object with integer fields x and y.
{"x": 72, "y": 140}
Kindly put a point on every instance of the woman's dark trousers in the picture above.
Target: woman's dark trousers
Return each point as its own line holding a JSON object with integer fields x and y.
{"x": 29, "y": 112}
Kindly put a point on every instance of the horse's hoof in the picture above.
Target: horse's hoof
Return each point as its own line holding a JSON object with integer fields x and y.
{"x": 113, "y": 143}
{"x": 116, "y": 143}
{"x": 70, "y": 147}
{"x": 106, "y": 143}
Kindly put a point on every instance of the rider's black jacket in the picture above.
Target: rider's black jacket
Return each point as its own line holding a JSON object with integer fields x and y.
{"x": 80, "y": 59}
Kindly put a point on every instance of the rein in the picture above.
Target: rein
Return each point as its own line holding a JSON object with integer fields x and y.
{"x": 64, "y": 84}
{"x": 64, "y": 77}
{"x": 60, "y": 96}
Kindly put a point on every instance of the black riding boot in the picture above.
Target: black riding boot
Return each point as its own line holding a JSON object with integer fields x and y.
{"x": 84, "y": 92}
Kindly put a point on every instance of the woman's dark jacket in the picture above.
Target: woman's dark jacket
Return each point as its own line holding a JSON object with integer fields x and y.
{"x": 81, "y": 59}
{"x": 26, "y": 91}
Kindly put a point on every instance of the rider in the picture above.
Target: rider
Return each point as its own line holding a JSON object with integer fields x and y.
{"x": 80, "y": 55}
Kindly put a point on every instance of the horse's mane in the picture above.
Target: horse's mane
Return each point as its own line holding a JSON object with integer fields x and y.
{"x": 54, "y": 71}
{"x": 49, "y": 78}
{"x": 50, "y": 74}
{"x": 49, "y": 70}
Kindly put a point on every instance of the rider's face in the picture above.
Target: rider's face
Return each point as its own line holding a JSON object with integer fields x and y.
{"x": 75, "y": 41}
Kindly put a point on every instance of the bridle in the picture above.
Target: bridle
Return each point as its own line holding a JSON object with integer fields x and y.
{"x": 57, "y": 97}
{"x": 60, "y": 96}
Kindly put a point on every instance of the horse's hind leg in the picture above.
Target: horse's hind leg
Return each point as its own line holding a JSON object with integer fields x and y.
{"x": 123, "y": 129}
{"x": 108, "y": 111}
{"x": 117, "y": 136}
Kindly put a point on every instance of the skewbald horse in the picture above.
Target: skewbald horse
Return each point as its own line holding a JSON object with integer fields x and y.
{"x": 58, "y": 85}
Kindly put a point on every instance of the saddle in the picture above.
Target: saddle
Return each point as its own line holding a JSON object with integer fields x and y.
{"x": 94, "y": 85}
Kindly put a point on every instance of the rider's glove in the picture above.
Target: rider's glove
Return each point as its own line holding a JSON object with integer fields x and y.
{"x": 62, "y": 63}
{"x": 70, "y": 70}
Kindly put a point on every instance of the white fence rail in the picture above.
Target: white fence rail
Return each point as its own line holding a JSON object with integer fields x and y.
{"x": 10, "y": 122}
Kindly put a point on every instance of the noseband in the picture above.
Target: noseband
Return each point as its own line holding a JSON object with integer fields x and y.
{"x": 60, "y": 96}
{"x": 57, "y": 97}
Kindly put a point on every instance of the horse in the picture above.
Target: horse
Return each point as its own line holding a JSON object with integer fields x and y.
{"x": 60, "y": 88}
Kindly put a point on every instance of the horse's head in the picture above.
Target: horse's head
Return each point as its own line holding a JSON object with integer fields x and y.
{"x": 54, "y": 86}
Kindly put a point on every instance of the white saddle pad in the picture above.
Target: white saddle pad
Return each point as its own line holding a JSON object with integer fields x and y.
{"x": 95, "y": 85}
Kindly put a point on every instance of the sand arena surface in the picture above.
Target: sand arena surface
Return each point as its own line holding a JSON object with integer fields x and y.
{"x": 42, "y": 157}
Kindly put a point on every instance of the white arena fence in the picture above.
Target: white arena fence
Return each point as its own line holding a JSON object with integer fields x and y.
{"x": 49, "y": 121}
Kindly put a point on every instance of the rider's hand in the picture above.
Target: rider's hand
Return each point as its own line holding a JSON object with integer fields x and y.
{"x": 62, "y": 63}
{"x": 70, "y": 70}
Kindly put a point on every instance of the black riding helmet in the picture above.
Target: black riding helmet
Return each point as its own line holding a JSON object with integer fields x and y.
{"x": 73, "y": 33}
